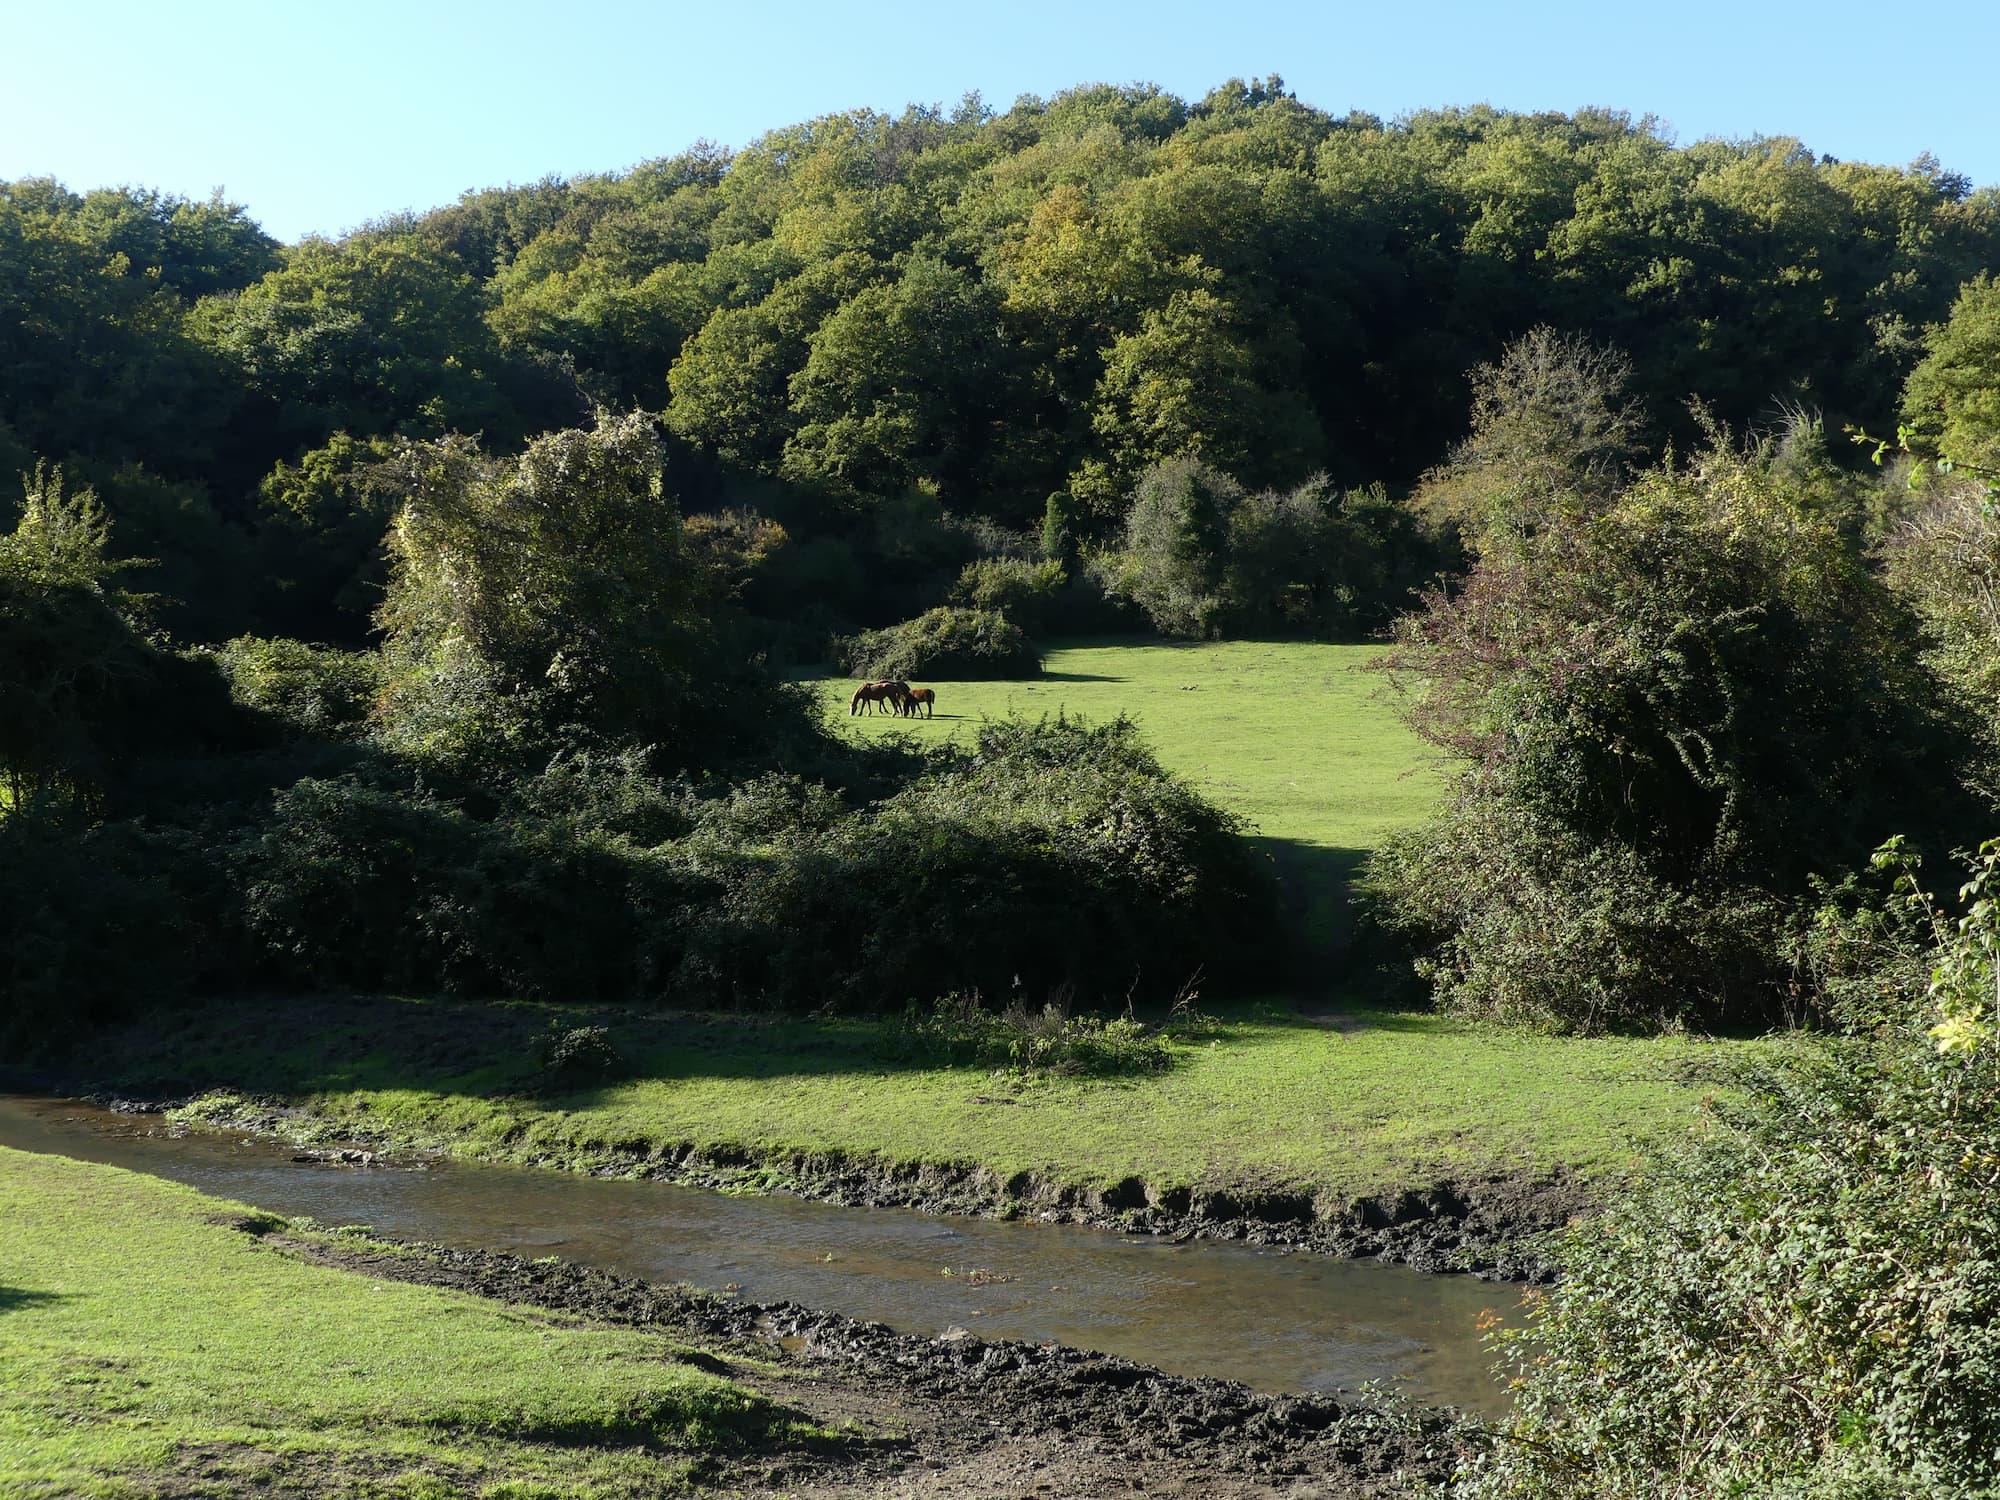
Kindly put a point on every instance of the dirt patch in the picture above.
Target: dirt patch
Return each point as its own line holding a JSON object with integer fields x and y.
{"x": 958, "y": 1415}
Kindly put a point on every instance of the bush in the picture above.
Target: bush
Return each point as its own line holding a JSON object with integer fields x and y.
{"x": 380, "y": 888}
{"x": 1045, "y": 1042}
{"x": 1025, "y": 592}
{"x": 97, "y": 924}
{"x": 1804, "y": 1301}
{"x": 943, "y": 643}
{"x": 1672, "y": 711}
{"x": 1056, "y": 856}
{"x": 572, "y": 1054}
{"x": 1523, "y": 922}
{"x": 312, "y": 690}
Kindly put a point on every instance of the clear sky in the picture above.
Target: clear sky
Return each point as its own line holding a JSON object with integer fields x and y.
{"x": 320, "y": 116}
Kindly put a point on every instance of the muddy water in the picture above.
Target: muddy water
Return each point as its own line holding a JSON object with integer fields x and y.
{"x": 1277, "y": 1322}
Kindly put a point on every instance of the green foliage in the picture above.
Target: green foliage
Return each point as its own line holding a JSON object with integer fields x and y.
{"x": 82, "y": 690}
{"x": 1527, "y": 922}
{"x": 1803, "y": 1301}
{"x": 555, "y": 598}
{"x": 1026, "y": 593}
{"x": 1319, "y": 561}
{"x": 1175, "y": 546}
{"x": 1952, "y": 399}
{"x": 1693, "y": 692}
{"x": 311, "y": 690}
{"x": 370, "y": 336}
{"x": 1054, "y": 854}
{"x": 941, "y": 643}
{"x": 573, "y": 1054}
{"x": 1944, "y": 559}
{"x": 98, "y": 924}
{"x": 1552, "y": 429}
{"x": 1049, "y": 1042}
{"x": 352, "y": 883}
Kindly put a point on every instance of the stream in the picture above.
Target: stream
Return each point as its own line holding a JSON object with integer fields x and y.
{"x": 1278, "y": 1322}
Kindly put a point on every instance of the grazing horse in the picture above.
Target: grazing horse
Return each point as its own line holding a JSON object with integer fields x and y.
{"x": 920, "y": 695}
{"x": 871, "y": 693}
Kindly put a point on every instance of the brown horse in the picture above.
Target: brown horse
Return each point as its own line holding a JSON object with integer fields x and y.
{"x": 920, "y": 695}
{"x": 871, "y": 693}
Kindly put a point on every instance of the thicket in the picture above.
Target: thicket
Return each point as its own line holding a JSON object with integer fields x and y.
{"x": 1803, "y": 1301}
{"x": 1674, "y": 700}
{"x": 946, "y": 642}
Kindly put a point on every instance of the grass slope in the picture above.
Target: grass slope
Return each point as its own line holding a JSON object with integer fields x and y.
{"x": 145, "y": 1344}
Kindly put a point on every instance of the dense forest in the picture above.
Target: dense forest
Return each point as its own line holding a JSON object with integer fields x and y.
{"x": 882, "y": 334}
{"x": 419, "y": 611}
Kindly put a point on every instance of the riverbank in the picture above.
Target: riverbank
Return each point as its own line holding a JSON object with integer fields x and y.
{"x": 1422, "y": 1139}
{"x": 162, "y": 1342}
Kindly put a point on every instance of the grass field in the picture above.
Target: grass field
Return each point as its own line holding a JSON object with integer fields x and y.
{"x": 1294, "y": 736}
{"x": 149, "y": 1347}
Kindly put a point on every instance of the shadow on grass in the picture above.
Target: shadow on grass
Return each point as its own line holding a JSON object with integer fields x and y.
{"x": 1317, "y": 886}
{"x": 1074, "y": 677}
{"x": 13, "y": 1298}
{"x": 473, "y": 1049}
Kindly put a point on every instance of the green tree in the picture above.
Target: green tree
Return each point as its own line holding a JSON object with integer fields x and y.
{"x": 554, "y": 600}
{"x": 1952, "y": 401}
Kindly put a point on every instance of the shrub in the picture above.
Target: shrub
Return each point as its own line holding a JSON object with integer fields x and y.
{"x": 381, "y": 888}
{"x": 571, "y": 1054}
{"x": 1055, "y": 855}
{"x": 1803, "y": 1301}
{"x": 1044, "y": 1042}
{"x": 942, "y": 643}
{"x": 310, "y": 689}
{"x": 1025, "y": 592}
{"x": 1671, "y": 711}
{"x": 1522, "y": 921}
{"x": 100, "y": 923}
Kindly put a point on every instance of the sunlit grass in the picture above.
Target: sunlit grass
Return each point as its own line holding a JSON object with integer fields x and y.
{"x": 1295, "y": 736}
{"x": 141, "y": 1335}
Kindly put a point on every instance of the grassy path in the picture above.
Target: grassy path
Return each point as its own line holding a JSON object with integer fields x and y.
{"x": 152, "y": 1342}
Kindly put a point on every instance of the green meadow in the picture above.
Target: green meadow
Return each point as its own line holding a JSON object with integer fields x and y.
{"x": 1300, "y": 739}
{"x": 151, "y": 1343}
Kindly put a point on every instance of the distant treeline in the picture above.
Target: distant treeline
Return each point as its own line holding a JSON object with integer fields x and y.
{"x": 863, "y": 324}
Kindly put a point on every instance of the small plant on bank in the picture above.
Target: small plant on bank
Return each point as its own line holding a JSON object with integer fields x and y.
{"x": 576, "y": 1054}
{"x": 1029, "y": 1041}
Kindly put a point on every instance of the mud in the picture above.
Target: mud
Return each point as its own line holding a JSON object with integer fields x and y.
{"x": 957, "y": 1415}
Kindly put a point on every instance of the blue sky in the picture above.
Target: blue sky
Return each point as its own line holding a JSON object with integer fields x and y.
{"x": 320, "y": 116}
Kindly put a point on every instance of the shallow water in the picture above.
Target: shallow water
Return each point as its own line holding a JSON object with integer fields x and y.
{"x": 1275, "y": 1321}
